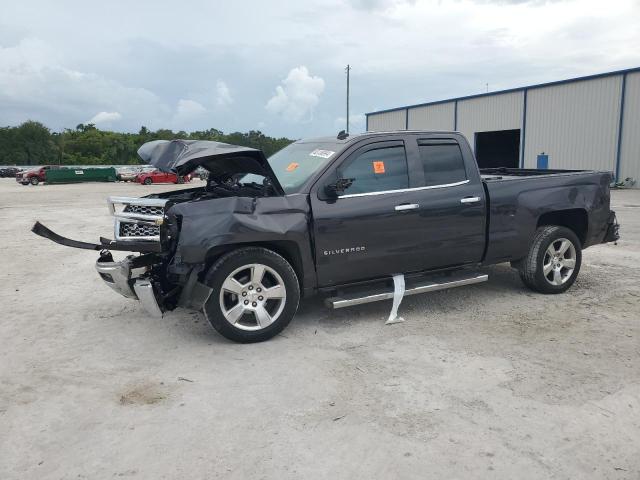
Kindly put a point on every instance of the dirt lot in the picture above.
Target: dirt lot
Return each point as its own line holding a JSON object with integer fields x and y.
{"x": 489, "y": 381}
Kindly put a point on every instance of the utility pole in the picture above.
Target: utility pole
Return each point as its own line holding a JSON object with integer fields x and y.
{"x": 347, "y": 70}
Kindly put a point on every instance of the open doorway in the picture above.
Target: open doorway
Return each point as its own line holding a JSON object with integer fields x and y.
{"x": 498, "y": 149}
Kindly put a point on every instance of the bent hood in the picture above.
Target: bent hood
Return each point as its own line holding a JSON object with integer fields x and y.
{"x": 220, "y": 159}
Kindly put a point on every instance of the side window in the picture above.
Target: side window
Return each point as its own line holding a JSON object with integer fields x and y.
{"x": 377, "y": 170}
{"x": 442, "y": 162}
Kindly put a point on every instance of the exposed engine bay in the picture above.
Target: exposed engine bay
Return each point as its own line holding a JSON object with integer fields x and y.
{"x": 231, "y": 187}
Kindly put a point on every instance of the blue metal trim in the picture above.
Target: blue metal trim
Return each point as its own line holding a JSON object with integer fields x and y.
{"x": 523, "y": 132}
{"x": 620, "y": 126}
{"x": 455, "y": 116}
{"x": 517, "y": 89}
{"x": 406, "y": 119}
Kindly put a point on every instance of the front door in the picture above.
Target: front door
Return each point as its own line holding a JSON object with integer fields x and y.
{"x": 373, "y": 228}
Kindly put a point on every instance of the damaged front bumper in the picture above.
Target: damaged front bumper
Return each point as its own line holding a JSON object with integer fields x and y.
{"x": 134, "y": 276}
{"x": 127, "y": 277}
{"x": 131, "y": 278}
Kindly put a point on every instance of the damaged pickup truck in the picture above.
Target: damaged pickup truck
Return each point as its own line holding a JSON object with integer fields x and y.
{"x": 360, "y": 218}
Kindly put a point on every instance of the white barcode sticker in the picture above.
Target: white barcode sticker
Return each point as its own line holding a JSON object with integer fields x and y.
{"x": 321, "y": 153}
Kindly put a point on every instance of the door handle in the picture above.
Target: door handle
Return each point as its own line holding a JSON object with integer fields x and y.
{"x": 470, "y": 200}
{"x": 406, "y": 206}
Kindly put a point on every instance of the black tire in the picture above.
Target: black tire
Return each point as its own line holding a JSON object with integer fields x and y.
{"x": 532, "y": 266}
{"x": 148, "y": 181}
{"x": 180, "y": 180}
{"x": 34, "y": 181}
{"x": 233, "y": 261}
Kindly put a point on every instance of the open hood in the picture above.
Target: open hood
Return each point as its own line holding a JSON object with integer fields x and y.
{"x": 220, "y": 159}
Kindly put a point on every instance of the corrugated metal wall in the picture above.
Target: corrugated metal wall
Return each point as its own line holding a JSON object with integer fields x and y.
{"x": 576, "y": 124}
{"x": 432, "y": 117}
{"x": 495, "y": 112}
{"x": 383, "y": 122}
{"x": 630, "y": 146}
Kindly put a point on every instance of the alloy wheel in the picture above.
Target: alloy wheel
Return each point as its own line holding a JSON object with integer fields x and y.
{"x": 559, "y": 261}
{"x": 252, "y": 297}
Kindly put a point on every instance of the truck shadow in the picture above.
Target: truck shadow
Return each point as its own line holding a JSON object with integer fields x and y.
{"x": 503, "y": 283}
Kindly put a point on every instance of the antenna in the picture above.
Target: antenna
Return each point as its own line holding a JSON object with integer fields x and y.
{"x": 347, "y": 69}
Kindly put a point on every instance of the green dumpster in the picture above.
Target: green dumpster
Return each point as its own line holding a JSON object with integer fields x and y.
{"x": 76, "y": 175}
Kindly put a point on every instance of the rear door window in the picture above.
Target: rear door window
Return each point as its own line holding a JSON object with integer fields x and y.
{"x": 442, "y": 162}
{"x": 376, "y": 170}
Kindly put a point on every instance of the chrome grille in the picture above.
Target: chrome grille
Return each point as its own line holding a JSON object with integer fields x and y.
{"x": 138, "y": 230}
{"x": 144, "y": 209}
{"x": 138, "y": 218}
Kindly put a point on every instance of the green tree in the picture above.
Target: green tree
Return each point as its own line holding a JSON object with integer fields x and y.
{"x": 31, "y": 143}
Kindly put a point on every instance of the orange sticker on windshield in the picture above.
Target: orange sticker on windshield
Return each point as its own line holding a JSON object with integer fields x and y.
{"x": 292, "y": 166}
{"x": 378, "y": 167}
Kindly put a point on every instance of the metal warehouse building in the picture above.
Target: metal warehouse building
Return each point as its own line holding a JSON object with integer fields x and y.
{"x": 583, "y": 123}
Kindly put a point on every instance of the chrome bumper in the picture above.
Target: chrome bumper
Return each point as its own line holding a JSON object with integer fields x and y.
{"x": 124, "y": 279}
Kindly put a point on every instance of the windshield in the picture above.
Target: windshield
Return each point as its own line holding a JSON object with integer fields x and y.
{"x": 296, "y": 163}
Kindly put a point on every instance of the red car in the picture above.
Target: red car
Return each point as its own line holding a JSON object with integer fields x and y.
{"x": 33, "y": 176}
{"x": 147, "y": 178}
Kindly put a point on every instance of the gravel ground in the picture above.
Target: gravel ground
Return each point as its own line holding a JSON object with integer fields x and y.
{"x": 487, "y": 381}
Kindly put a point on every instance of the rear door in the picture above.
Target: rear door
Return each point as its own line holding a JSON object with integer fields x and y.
{"x": 452, "y": 204}
{"x": 372, "y": 229}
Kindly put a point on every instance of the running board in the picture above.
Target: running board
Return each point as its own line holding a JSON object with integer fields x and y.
{"x": 413, "y": 287}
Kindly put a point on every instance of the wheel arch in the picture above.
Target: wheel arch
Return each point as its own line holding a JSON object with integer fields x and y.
{"x": 575, "y": 219}
{"x": 287, "y": 249}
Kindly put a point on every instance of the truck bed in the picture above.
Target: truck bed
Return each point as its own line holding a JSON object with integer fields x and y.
{"x": 518, "y": 198}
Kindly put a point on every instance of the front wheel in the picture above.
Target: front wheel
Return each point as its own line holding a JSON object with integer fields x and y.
{"x": 553, "y": 261}
{"x": 148, "y": 181}
{"x": 255, "y": 295}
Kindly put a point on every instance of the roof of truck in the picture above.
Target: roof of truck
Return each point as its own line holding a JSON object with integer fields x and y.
{"x": 355, "y": 136}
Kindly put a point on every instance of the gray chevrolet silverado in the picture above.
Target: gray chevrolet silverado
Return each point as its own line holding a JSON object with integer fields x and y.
{"x": 347, "y": 216}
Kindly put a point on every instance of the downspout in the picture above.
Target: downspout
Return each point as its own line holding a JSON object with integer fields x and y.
{"x": 620, "y": 126}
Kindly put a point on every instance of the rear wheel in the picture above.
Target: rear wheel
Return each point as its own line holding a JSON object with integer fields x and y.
{"x": 553, "y": 261}
{"x": 34, "y": 181}
{"x": 148, "y": 181}
{"x": 180, "y": 180}
{"x": 255, "y": 295}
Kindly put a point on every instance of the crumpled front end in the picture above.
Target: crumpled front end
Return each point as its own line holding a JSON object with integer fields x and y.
{"x": 131, "y": 278}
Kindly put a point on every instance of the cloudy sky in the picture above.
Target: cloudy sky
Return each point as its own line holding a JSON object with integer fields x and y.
{"x": 278, "y": 65}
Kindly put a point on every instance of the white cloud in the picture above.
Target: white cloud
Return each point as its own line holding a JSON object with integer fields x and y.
{"x": 297, "y": 96}
{"x": 36, "y": 84}
{"x": 223, "y": 94}
{"x": 379, "y": 4}
{"x": 105, "y": 117}
{"x": 187, "y": 112}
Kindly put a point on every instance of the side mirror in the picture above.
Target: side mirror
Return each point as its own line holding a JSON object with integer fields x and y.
{"x": 334, "y": 190}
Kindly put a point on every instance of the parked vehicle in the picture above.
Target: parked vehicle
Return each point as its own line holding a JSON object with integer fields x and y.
{"x": 128, "y": 174}
{"x": 157, "y": 176}
{"x": 349, "y": 217}
{"x": 34, "y": 176}
{"x": 9, "y": 172}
